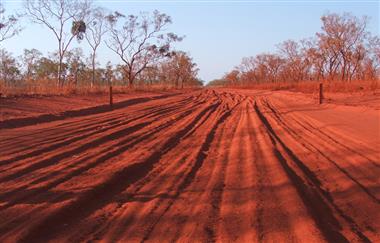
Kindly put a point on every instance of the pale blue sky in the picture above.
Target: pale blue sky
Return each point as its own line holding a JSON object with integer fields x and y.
{"x": 218, "y": 33}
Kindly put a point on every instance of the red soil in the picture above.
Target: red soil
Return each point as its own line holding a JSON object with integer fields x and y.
{"x": 27, "y": 106}
{"x": 211, "y": 165}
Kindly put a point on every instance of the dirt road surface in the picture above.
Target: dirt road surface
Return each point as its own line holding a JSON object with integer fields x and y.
{"x": 202, "y": 166}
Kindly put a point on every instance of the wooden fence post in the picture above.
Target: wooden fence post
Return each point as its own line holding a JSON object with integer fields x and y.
{"x": 111, "y": 98}
{"x": 320, "y": 93}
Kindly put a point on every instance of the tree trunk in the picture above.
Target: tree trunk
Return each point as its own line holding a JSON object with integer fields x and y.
{"x": 93, "y": 70}
{"x": 76, "y": 79}
{"x": 177, "y": 82}
{"x": 60, "y": 82}
{"x": 131, "y": 78}
{"x": 343, "y": 77}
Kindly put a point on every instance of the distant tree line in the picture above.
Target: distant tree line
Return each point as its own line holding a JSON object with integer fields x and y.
{"x": 142, "y": 43}
{"x": 343, "y": 50}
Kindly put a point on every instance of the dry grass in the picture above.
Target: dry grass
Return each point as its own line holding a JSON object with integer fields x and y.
{"x": 54, "y": 90}
{"x": 49, "y": 87}
{"x": 313, "y": 86}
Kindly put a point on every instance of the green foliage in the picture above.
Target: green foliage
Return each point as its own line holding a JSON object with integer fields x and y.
{"x": 9, "y": 68}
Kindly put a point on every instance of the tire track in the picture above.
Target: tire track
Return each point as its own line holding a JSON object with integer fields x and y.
{"x": 85, "y": 204}
{"x": 206, "y": 166}
{"x": 103, "y": 128}
{"x": 112, "y": 119}
{"x": 104, "y": 156}
{"x": 323, "y": 154}
{"x": 22, "y": 122}
{"x": 120, "y": 131}
{"x": 154, "y": 181}
{"x": 316, "y": 199}
{"x": 201, "y": 155}
{"x": 142, "y": 138}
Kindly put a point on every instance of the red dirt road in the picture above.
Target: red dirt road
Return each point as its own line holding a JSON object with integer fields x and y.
{"x": 205, "y": 166}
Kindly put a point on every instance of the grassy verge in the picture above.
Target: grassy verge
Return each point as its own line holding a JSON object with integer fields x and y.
{"x": 328, "y": 86}
{"x": 49, "y": 90}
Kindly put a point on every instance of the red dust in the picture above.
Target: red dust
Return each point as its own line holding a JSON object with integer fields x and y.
{"x": 210, "y": 165}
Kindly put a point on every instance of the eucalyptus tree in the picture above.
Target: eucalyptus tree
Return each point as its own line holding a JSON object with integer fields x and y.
{"x": 95, "y": 31}
{"x": 140, "y": 41}
{"x": 30, "y": 59}
{"x": 9, "y": 25}
{"x": 183, "y": 69}
{"x": 9, "y": 68}
{"x": 75, "y": 64}
{"x": 342, "y": 41}
{"x": 65, "y": 18}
